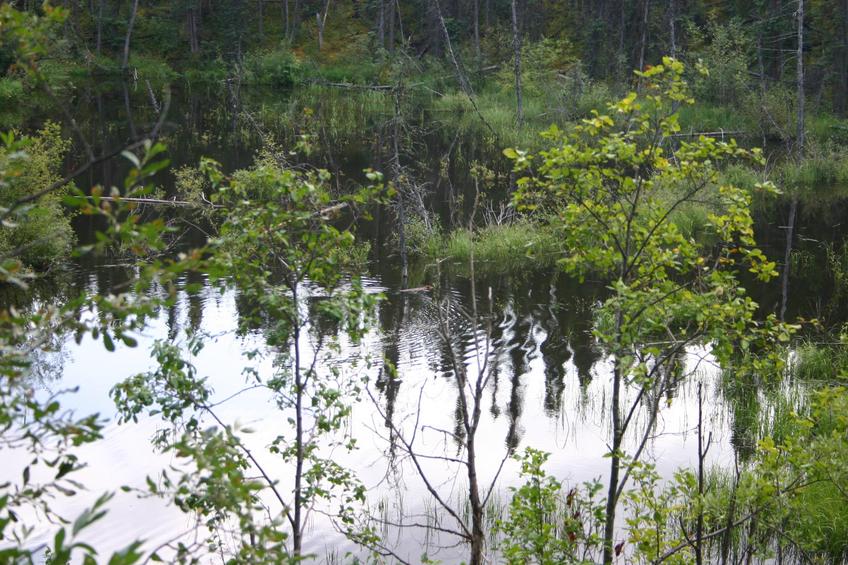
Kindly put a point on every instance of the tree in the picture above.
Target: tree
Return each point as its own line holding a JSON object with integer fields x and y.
{"x": 516, "y": 54}
{"x": 130, "y": 24}
{"x": 616, "y": 182}
{"x": 279, "y": 248}
{"x": 35, "y": 427}
{"x": 38, "y": 433}
{"x": 471, "y": 379}
{"x": 537, "y": 530}
{"x": 321, "y": 20}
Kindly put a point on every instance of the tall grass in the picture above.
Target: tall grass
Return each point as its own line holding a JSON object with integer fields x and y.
{"x": 702, "y": 117}
{"x": 815, "y": 363}
{"x": 506, "y": 248}
{"x": 823, "y": 172}
{"x": 549, "y": 103}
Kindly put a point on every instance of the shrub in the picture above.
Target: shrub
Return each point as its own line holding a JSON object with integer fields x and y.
{"x": 42, "y": 233}
{"x": 151, "y": 68}
{"x": 11, "y": 95}
{"x": 276, "y": 68}
{"x": 724, "y": 49}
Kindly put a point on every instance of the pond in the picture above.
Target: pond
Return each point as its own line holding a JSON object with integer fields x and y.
{"x": 549, "y": 382}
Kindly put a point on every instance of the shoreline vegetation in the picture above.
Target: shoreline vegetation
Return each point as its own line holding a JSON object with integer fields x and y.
{"x": 549, "y": 98}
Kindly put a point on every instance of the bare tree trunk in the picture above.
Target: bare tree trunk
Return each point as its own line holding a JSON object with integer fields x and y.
{"x": 400, "y": 22}
{"x": 787, "y": 257}
{"x": 463, "y": 80}
{"x": 471, "y": 421}
{"x": 261, "y": 16}
{"x": 191, "y": 23}
{"x": 320, "y": 31}
{"x": 476, "y": 5}
{"x": 284, "y": 6}
{"x": 404, "y": 260}
{"x": 761, "y": 64}
{"x": 702, "y": 456}
{"x": 469, "y": 404}
{"x": 801, "y": 136}
{"x": 800, "y": 139}
{"x": 615, "y": 463}
{"x": 392, "y": 16}
{"x": 295, "y": 29}
{"x": 128, "y": 109}
{"x": 297, "y": 520}
{"x": 516, "y": 48}
{"x": 99, "y": 25}
{"x": 643, "y": 43}
{"x": 381, "y": 24}
{"x": 130, "y": 24}
{"x": 477, "y": 531}
{"x": 622, "y": 55}
{"x": 322, "y": 21}
{"x": 843, "y": 62}
{"x": 672, "y": 24}
{"x": 196, "y": 20}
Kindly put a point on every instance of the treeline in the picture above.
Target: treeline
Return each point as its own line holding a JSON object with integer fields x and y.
{"x": 753, "y": 41}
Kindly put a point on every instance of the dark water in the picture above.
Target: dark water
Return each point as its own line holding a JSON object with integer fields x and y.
{"x": 549, "y": 380}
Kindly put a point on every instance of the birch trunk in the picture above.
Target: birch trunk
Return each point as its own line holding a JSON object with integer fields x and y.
{"x": 516, "y": 47}
{"x": 127, "y": 39}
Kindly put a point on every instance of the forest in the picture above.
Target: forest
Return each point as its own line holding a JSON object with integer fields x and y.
{"x": 424, "y": 281}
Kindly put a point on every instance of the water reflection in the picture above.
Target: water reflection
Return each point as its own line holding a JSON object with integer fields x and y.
{"x": 546, "y": 389}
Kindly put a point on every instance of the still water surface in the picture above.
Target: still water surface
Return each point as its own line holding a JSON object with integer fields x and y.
{"x": 548, "y": 391}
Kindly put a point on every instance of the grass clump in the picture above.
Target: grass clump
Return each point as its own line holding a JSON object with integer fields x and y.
{"x": 140, "y": 66}
{"x": 498, "y": 248}
{"x": 822, "y": 172}
{"x": 560, "y": 100}
{"x": 206, "y": 72}
{"x": 819, "y": 363}
{"x": 826, "y": 128}
{"x": 703, "y": 118}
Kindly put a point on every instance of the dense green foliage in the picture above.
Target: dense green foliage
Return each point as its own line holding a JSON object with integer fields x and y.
{"x": 566, "y": 53}
{"x": 42, "y": 237}
{"x": 610, "y": 179}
